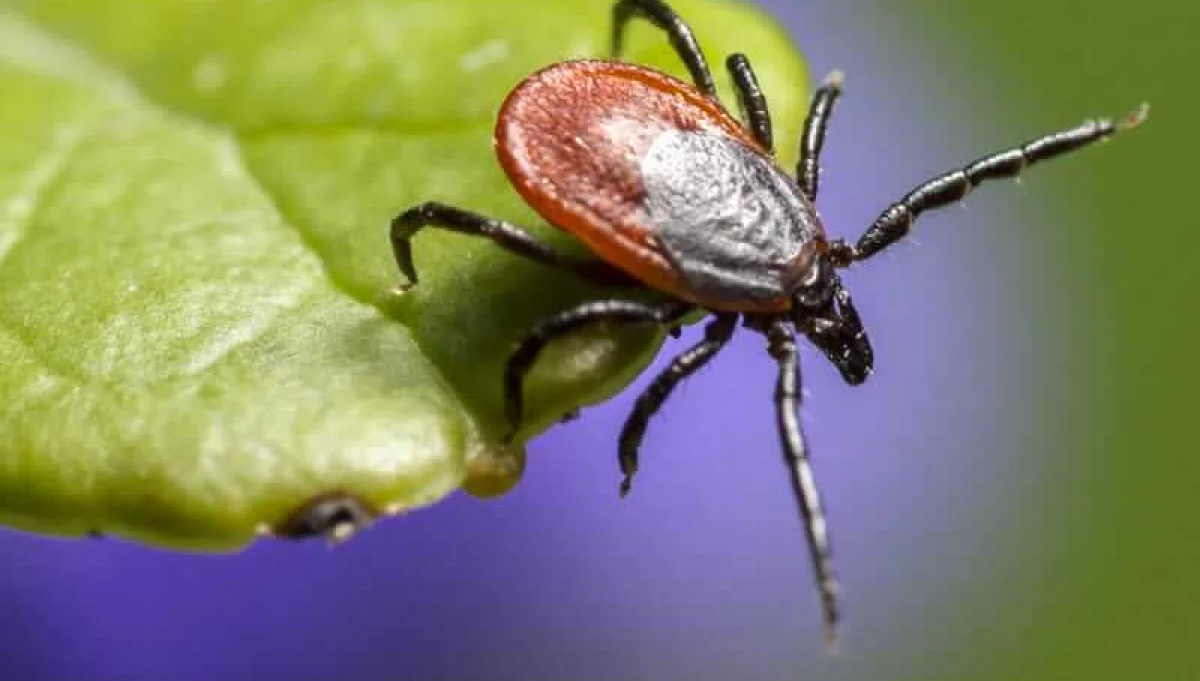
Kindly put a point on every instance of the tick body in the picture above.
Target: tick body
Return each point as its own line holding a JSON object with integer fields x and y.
{"x": 659, "y": 181}
{"x": 671, "y": 192}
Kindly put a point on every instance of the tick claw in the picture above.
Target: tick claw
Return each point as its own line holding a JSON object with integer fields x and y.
{"x": 399, "y": 289}
{"x": 1135, "y": 118}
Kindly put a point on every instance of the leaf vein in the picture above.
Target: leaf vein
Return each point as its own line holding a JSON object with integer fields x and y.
{"x": 22, "y": 209}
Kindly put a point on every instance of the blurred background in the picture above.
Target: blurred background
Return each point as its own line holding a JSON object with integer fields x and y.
{"x": 1011, "y": 495}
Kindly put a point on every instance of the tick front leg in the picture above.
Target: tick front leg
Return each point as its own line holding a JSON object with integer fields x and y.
{"x": 680, "y": 34}
{"x": 812, "y": 140}
{"x": 897, "y": 220}
{"x": 751, "y": 99}
{"x": 612, "y": 311}
{"x": 716, "y": 335}
{"x": 506, "y": 235}
{"x": 782, "y": 345}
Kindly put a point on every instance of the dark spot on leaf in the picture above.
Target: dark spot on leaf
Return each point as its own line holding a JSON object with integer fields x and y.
{"x": 334, "y": 516}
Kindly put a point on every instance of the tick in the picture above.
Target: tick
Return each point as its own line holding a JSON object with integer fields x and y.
{"x": 671, "y": 192}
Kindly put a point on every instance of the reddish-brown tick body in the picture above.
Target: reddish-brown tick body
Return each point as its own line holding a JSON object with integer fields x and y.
{"x": 660, "y": 181}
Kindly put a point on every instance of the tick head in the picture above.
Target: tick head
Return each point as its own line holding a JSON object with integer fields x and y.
{"x": 824, "y": 312}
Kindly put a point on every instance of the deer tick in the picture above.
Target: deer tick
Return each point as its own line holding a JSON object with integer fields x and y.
{"x": 670, "y": 191}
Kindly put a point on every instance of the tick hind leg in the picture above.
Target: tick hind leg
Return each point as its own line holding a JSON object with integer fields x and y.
{"x": 716, "y": 335}
{"x": 612, "y": 311}
{"x": 782, "y": 346}
{"x": 896, "y": 221}
{"x": 812, "y": 139}
{"x": 751, "y": 99}
{"x": 661, "y": 15}
{"x": 508, "y": 236}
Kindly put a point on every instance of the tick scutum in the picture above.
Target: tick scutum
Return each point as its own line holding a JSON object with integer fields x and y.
{"x": 727, "y": 218}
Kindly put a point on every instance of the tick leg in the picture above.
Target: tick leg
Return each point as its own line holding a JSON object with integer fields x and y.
{"x": 812, "y": 139}
{"x": 661, "y": 15}
{"x": 782, "y": 346}
{"x": 716, "y": 335}
{"x": 508, "y": 236}
{"x": 895, "y": 222}
{"x": 751, "y": 99}
{"x": 611, "y": 311}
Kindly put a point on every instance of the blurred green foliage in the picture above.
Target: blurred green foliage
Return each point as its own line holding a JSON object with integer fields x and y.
{"x": 1123, "y": 599}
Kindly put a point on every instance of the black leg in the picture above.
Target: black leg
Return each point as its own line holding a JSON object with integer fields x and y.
{"x": 511, "y": 238}
{"x": 895, "y": 222}
{"x": 716, "y": 335}
{"x": 661, "y": 15}
{"x": 563, "y": 323}
{"x": 813, "y": 138}
{"x": 782, "y": 346}
{"x": 751, "y": 99}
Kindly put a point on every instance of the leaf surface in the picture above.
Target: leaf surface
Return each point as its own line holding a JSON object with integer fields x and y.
{"x": 195, "y": 325}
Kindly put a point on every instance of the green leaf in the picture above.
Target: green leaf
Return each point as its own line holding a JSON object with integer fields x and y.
{"x": 194, "y": 197}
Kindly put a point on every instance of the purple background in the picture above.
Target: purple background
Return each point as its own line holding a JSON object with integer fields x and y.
{"x": 702, "y": 572}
